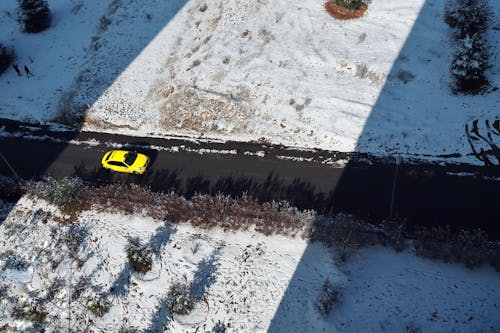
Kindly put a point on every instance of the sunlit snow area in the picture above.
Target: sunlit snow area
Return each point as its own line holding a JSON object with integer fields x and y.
{"x": 276, "y": 71}
{"x": 76, "y": 277}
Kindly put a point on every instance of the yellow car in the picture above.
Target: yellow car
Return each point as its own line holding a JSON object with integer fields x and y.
{"x": 125, "y": 161}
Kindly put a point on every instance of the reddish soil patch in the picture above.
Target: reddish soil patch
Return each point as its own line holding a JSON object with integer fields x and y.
{"x": 341, "y": 13}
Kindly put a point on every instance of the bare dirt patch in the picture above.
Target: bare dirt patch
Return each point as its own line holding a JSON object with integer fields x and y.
{"x": 341, "y": 13}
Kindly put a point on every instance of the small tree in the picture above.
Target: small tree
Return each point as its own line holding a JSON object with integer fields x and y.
{"x": 34, "y": 15}
{"x": 32, "y": 310}
{"x": 329, "y": 297}
{"x": 99, "y": 304}
{"x": 471, "y": 247}
{"x": 179, "y": 300}
{"x": 469, "y": 64}
{"x": 6, "y": 58}
{"x": 139, "y": 255}
{"x": 467, "y": 16}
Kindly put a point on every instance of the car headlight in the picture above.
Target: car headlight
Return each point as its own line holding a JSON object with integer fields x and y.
{"x": 141, "y": 168}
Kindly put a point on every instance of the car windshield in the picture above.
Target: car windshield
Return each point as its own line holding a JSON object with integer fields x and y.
{"x": 130, "y": 158}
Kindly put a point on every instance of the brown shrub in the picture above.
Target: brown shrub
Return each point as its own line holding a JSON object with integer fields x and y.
{"x": 470, "y": 247}
{"x": 341, "y": 13}
{"x": 202, "y": 210}
{"x": 345, "y": 233}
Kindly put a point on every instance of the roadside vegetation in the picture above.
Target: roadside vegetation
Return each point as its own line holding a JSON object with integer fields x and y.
{"x": 342, "y": 232}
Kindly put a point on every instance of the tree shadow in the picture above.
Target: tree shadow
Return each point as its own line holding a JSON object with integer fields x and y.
{"x": 120, "y": 286}
{"x": 205, "y": 275}
{"x": 194, "y": 185}
{"x": 161, "y": 318}
{"x": 162, "y": 236}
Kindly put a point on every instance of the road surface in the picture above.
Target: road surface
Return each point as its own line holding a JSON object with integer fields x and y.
{"x": 424, "y": 194}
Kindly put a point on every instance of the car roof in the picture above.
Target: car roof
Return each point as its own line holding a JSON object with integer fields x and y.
{"x": 118, "y": 155}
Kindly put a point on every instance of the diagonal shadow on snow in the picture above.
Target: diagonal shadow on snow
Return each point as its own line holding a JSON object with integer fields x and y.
{"x": 162, "y": 236}
{"x": 408, "y": 110}
{"x": 205, "y": 275}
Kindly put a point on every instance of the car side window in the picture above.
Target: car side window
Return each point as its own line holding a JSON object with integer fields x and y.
{"x": 116, "y": 163}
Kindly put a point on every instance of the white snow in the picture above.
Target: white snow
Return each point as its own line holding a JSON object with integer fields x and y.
{"x": 249, "y": 282}
{"x": 280, "y": 71}
{"x": 54, "y": 56}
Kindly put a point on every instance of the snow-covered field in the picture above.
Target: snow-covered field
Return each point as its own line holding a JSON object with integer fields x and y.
{"x": 279, "y": 71}
{"x": 245, "y": 282}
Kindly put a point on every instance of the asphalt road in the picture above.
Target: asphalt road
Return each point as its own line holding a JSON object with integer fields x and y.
{"x": 423, "y": 194}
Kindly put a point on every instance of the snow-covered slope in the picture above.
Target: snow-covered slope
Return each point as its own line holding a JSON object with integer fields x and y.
{"x": 245, "y": 282}
{"x": 283, "y": 71}
{"x": 54, "y": 56}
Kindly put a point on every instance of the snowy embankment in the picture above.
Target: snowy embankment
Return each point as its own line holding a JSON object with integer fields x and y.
{"x": 76, "y": 275}
{"x": 283, "y": 72}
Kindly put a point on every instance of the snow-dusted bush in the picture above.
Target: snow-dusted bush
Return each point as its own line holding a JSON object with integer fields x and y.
{"x": 345, "y": 234}
{"x": 65, "y": 193}
{"x": 328, "y": 297}
{"x": 180, "y": 300}
{"x": 469, "y": 64}
{"x": 467, "y": 16}
{"x": 34, "y": 15}
{"x": 74, "y": 238}
{"x": 4, "y": 291}
{"x": 394, "y": 234}
{"x": 99, "y": 305}
{"x": 472, "y": 248}
{"x": 13, "y": 261}
{"x": 128, "y": 329}
{"x": 205, "y": 211}
{"x": 32, "y": 310}
{"x": 12, "y": 229}
{"x": 434, "y": 243}
{"x": 352, "y": 4}
{"x": 6, "y": 57}
{"x": 139, "y": 255}
{"x": 494, "y": 257}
